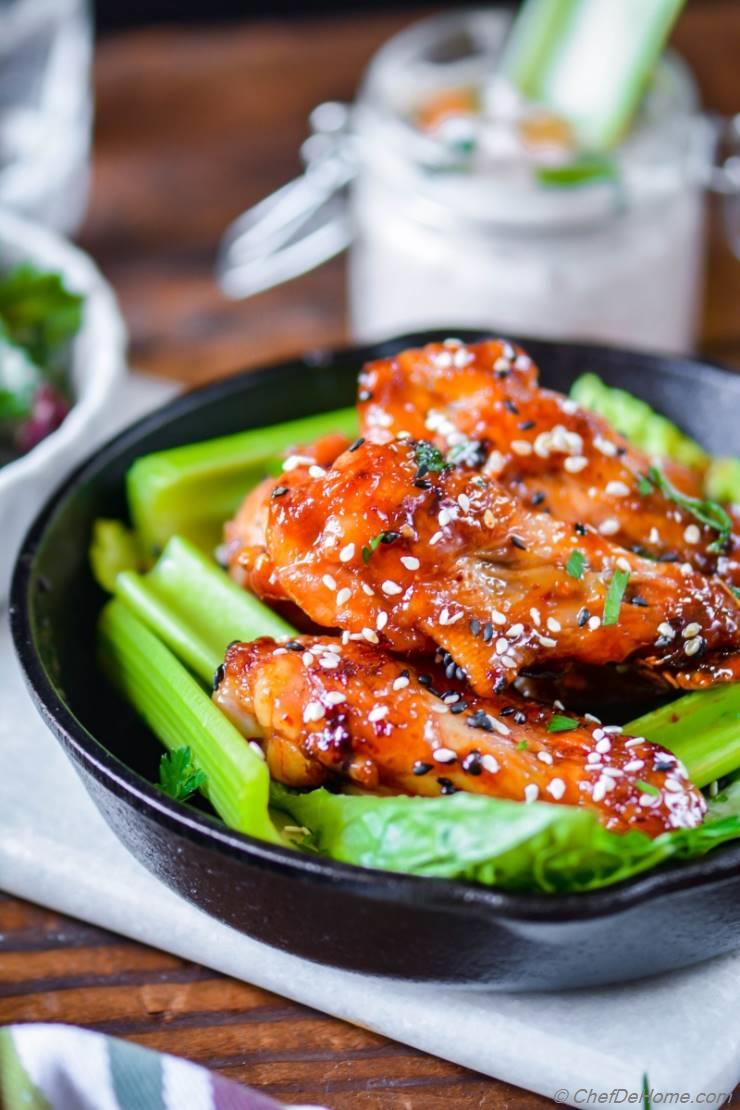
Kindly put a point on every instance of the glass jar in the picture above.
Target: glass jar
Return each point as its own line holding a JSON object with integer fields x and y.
{"x": 435, "y": 241}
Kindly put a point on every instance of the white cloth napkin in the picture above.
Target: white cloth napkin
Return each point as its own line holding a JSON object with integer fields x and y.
{"x": 680, "y": 1029}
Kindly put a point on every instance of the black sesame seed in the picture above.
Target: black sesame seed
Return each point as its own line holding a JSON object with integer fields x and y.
{"x": 425, "y": 680}
{"x": 481, "y": 720}
{"x": 279, "y": 491}
{"x": 667, "y": 557}
{"x": 517, "y": 542}
{"x": 527, "y": 425}
{"x": 637, "y": 600}
{"x": 218, "y": 676}
{"x": 421, "y": 483}
{"x": 663, "y": 641}
{"x": 508, "y": 710}
{"x": 511, "y": 407}
{"x": 447, "y": 787}
{"x": 458, "y": 707}
{"x": 450, "y": 669}
{"x": 537, "y": 499}
{"x": 520, "y": 717}
{"x": 421, "y": 768}
{"x": 621, "y": 451}
{"x": 499, "y": 685}
{"x": 460, "y": 674}
{"x": 421, "y": 470}
{"x": 582, "y": 616}
{"x": 472, "y": 763}
{"x": 580, "y": 529}
{"x": 475, "y": 627}
{"x": 358, "y": 443}
{"x": 390, "y": 537}
{"x": 487, "y": 632}
{"x": 664, "y": 764}
{"x": 293, "y": 645}
{"x": 503, "y": 373}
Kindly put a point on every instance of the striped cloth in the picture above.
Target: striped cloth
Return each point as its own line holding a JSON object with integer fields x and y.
{"x": 60, "y": 1067}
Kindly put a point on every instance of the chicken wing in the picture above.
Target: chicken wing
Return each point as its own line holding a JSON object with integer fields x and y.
{"x": 393, "y": 545}
{"x": 326, "y": 711}
{"x": 481, "y": 403}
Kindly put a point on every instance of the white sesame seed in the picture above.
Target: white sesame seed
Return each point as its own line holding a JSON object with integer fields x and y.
{"x": 617, "y": 489}
{"x": 367, "y": 590}
{"x": 334, "y": 697}
{"x": 329, "y": 582}
{"x": 548, "y": 642}
{"x": 654, "y": 536}
{"x": 599, "y": 791}
{"x": 594, "y": 623}
{"x": 435, "y": 539}
{"x": 686, "y": 569}
{"x": 691, "y": 534}
{"x": 502, "y": 645}
{"x": 605, "y": 446}
{"x": 692, "y": 646}
{"x": 634, "y": 765}
{"x": 536, "y": 618}
{"x": 347, "y": 553}
{"x": 521, "y": 447}
{"x": 464, "y": 502}
{"x": 575, "y": 463}
{"x": 455, "y": 617}
{"x": 556, "y": 788}
{"x": 649, "y": 800}
{"x": 590, "y": 717}
{"x": 604, "y": 746}
{"x": 437, "y": 707}
{"x": 329, "y": 662}
{"x": 609, "y": 527}
{"x": 490, "y": 763}
{"x": 598, "y": 734}
{"x": 294, "y": 461}
{"x": 569, "y": 407}
{"x": 444, "y": 616}
{"x": 343, "y": 596}
{"x": 444, "y": 755}
{"x": 531, "y": 792}
{"x": 508, "y": 661}
{"x": 495, "y": 463}
{"x": 382, "y": 620}
{"x": 691, "y": 630}
{"x": 557, "y": 704}
{"x": 544, "y": 757}
{"x": 515, "y": 631}
{"x": 316, "y": 471}
{"x": 307, "y": 659}
{"x": 673, "y": 786}
{"x": 391, "y": 588}
{"x": 497, "y": 617}
{"x": 553, "y": 624}
{"x": 377, "y": 713}
{"x": 502, "y": 364}
{"x": 666, "y": 630}
{"x": 410, "y": 562}
{"x": 370, "y": 636}
{"x": 444, "y": 517}
{"x": 592, "y": 757}
{"x": 623, "y": 564}
{"x": 314, "y": 711}
{"x": 401, "y": 682}
{"x": 615, "y": 730}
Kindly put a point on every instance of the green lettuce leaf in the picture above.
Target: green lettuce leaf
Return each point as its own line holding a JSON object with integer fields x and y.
{"x": 494, "y": 842}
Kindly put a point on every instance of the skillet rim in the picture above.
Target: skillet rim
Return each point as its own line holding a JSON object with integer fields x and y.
{"x": 451, "y": 895}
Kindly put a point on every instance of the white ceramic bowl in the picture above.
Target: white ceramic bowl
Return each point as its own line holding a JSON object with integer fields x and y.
{"x": 98, "y": 365}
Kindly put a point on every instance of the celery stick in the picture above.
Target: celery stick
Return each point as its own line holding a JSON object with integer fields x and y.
{"x": 722, "y": 480}
{"x": 195, "y": 608}
{"x": 702, "y": 729}
{"x": 180, "y": 713}
{"x": 113, "y": 549}
{"x": 192, "y": 490}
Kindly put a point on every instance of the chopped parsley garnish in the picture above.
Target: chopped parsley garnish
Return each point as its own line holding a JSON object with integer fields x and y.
{"x": 177, "y": 775}
{"x": 559, "y": 723}
{"x": 429, "y": 458}
{"x": 576, "y": 563}
{"x": 735, "y": 590}
{"x": 375, "y": 542}
{"x": 647, "y": 788}
{"x": 522, "y": 746}
{"x": 706, "y": 512}
{"x": 614, "y": 595}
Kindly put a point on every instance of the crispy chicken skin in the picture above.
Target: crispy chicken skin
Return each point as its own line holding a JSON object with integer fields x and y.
{"x": 394, "y": 551}
{"x": 328, "y": 711}
{"x": 483, "y": 401}
{"x": 244, "y": 536}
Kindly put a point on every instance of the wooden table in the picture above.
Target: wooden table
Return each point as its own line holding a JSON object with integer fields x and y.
{"x": 192, "y": 127}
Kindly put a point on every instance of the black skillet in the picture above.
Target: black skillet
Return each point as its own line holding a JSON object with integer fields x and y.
{"x": 368, "y": 921}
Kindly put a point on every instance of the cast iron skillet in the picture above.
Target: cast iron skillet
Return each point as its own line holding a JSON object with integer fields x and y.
{"x": 368, "y": 921}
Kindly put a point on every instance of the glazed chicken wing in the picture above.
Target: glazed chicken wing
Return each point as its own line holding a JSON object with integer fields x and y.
{"x": 392, "y": 545}
{"x": 327, "y": 711}
{"x": 244, "y": 548}
{"x": 482, "y": 403}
